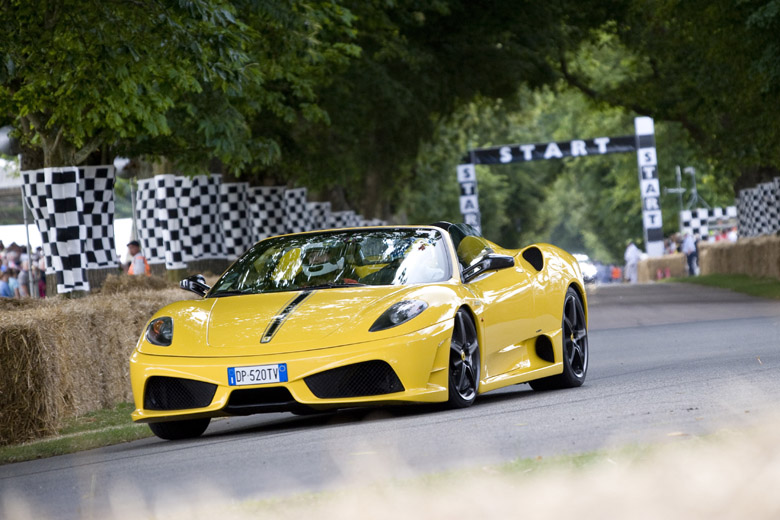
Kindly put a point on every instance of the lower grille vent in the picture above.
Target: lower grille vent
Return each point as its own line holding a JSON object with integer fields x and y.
{"x": 358, "y": 380}
{"x": 173, "y": 393}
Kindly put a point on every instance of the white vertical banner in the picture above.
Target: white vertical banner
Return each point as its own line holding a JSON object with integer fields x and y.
{"x": 469, "y": 201}
{"x": 649, "y": 186}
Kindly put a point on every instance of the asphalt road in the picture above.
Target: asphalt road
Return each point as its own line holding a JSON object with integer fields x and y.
{"x": 668, "y": 361}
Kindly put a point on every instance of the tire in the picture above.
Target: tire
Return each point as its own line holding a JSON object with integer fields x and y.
{"x": 464, "y": 367}
{"x": 574, "y": 330}
{"x": 177, "y": 430}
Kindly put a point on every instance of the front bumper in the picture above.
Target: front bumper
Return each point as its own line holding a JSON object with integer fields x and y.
{"x": 419, "y": 360}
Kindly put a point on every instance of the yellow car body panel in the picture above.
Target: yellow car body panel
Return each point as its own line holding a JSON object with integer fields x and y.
{"x": 329, "y": 329}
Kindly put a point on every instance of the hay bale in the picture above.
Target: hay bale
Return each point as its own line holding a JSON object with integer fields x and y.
{"x": 123, "y": 283}
{"x": 675, "y": 264}
{"x": 28, "y": 409}
{"x": 64, "y": 357}
{"x": 759, "y": 257}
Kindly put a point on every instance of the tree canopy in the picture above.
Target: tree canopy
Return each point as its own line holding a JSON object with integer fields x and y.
{"x": 373, "y": 101}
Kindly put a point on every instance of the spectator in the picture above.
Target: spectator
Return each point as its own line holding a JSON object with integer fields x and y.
{"x": 138, "y": 264}
{"x": 13, "y": 282}
{"x": 691, "y": 253}
{"x": 24, "y": 280}
{"x": 632, "y": 257}
{"x": 5, "y": 289}
{"x": 41, "y": 275}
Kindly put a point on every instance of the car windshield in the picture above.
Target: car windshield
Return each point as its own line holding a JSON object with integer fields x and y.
{"x": 371, "y": 256}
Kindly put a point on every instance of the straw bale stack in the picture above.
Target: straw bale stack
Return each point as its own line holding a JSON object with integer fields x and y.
{"x": 61, "y": 357}
{"x": 759, "y": 257}
{"x": 675, "y": 263}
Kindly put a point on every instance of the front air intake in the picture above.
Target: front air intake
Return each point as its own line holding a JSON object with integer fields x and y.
{"x": 358, "y": 380}
{"x": 174, "y": 393}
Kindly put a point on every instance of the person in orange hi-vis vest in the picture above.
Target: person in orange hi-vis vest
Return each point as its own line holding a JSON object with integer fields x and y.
{"x": 138, "y": 264}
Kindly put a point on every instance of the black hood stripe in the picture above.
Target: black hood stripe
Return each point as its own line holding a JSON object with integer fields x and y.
{"x": 282, "y": 315}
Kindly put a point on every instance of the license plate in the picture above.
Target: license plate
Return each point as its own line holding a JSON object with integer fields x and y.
{"x": 257, "y": 375}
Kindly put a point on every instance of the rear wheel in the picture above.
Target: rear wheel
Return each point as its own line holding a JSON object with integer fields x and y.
{"x": 464, "y": 362}
{"x": 575, "y": 347}
{"x": 176, "y": 430}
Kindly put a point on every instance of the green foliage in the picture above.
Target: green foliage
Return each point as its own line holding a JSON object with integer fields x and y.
{"x": 711, "y": 66}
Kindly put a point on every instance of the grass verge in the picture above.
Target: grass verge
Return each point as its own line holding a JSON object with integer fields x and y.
{"x": 93, "y": 430}
{"x": 761, "y": 287}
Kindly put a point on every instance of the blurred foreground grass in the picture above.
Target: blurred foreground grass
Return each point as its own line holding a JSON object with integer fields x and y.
{"x": 734, "y": 473}
{"x": 761, "y": 287}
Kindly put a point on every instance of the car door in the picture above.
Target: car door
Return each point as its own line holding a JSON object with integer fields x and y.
{"x": 507, "y": 314}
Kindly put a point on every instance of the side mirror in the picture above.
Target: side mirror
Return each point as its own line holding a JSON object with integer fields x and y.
{"x": 196, "y": 284}
{"x": 490, "y": 262}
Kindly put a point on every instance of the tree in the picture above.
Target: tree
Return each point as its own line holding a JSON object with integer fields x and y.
{"x": 712, "y": 66}
{"x": 78, "y": 75}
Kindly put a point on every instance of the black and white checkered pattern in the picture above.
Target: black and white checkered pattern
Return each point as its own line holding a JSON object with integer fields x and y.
{"x": 765, "y": 211}
{"x": 236, "y": 222}
{"x": 769, "y": 202}
{"x": 296, "y": 211}
{"x": 96, "y": 184}
{"x": 167, "y": 195}
{"x": 343, "y": 219}
{"x": 55, "y": 199}
{"x": 320, "y": 215}
{"x": 35, "y": 196}
{"x": 202, "y": 231}
{"x": 374, "y": 222}
{"x": 149, "y": 227}
{"x": 748, "y": 202}
{"x": 696, "y": 221}
{"x": 66, "y": 231}
{"x": 266, "y": 207}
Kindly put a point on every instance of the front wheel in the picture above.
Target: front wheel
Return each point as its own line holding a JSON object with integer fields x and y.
{"x": 177, "y": 430}
{"x": 574, "y": 330}
{"x": 464, "y": 362}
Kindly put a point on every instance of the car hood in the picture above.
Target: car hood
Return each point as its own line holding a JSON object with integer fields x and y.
{"x": 286, "y": 322}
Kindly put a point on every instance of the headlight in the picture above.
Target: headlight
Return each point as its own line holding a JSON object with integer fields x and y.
{"x": 160, "y": 332}
{"x": 399, "y": 313}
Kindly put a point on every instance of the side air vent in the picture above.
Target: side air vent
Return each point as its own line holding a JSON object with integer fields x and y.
{"x": 534, "y": 257}
{"x": 544, "y": 349}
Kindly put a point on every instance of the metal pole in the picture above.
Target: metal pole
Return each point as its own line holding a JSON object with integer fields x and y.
{"x": 29, "y": 249}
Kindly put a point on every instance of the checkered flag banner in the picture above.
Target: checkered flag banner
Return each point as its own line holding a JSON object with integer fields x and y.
{"x": 768, "y": 221}
{"x": 67, "y": 232}
{"x": 149, "y": 228}
{"x": 320, "y": 215}
{"x": 34, "y": 190}
{"x": 342, "y": 219}
{"x": 54, "y": 195}
{"x": 200, "y": 217}
{"x": 374, "y": 222}
{"x": 234, "y": 211}
{"x": 96, "y": 184}
{"x": 697, "y": 221}
{"x": 266, "y": 208}
{"x": 296, "y": 211}
{"x": 167, "y": 195}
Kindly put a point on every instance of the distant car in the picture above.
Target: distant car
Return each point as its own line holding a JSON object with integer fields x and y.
{"x": 589, "y": 270}
{"x": 364, "y": 316}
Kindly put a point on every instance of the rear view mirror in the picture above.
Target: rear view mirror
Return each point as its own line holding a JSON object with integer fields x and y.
{"x": 196, "y": 284}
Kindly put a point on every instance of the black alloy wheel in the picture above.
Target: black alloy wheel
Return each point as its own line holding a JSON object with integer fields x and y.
{"x": 464, "y": 362}
{"x": 177, "y": 430}
{"x": 574, "y": 330}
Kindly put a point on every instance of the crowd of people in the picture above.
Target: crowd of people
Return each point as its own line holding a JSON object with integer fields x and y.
{"x": 22, "y": 275}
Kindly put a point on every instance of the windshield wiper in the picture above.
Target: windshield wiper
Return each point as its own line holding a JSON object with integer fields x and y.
{"x": 331, "y": 285}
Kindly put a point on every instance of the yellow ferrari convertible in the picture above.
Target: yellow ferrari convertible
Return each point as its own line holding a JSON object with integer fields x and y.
{"x": 358, "y": 317}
